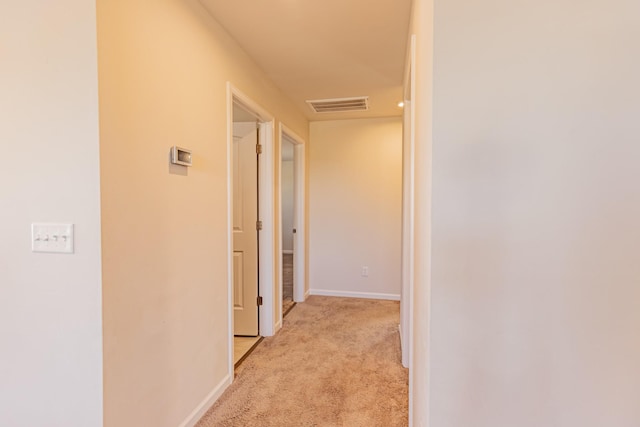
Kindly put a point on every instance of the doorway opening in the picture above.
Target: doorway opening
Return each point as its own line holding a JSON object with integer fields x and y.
{"x": 246, "y": 190}
{"x": 292, "y": 220}
{"x": 250, "y": 191}
{"x": 287, "y": 184}
{"x": 246, "y": 235}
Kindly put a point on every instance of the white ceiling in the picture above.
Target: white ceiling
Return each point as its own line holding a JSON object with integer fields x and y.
{"x": 316, "y": 49}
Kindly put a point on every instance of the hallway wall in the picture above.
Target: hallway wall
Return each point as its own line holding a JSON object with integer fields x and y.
{"x": 355, "y": 183}
{"x": 163, "y": 68}
{"x": 536, "y": 202}
{"x": 50, "y": 304}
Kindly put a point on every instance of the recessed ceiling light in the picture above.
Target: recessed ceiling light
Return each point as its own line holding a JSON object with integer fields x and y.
{"x": 400, "y": 104}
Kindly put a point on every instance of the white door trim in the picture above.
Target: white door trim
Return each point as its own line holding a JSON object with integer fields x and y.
{"x": 266, "y": 244}
{"x": 406, "y": 302}
{"x": 298, "y": 217}
{"x": 408, "y": 210}
{"x": 300, "y": 267}
{"x": 266, "y": 208}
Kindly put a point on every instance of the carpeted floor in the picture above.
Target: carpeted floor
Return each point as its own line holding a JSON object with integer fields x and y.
{"x": 336, "y": 362}
{"x": 287, "y": 282}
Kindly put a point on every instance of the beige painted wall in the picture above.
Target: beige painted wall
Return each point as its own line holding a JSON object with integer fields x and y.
{"x": 50, "y": 304}
{"x": 163, "y": 68}
{"x": 355, "y": 193}
{"x": 535, "y": 214}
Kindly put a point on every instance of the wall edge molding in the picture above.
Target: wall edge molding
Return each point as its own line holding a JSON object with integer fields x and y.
{"x": 208, "y": 401}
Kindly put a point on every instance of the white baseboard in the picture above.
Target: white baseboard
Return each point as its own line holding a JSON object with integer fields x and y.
{"x": 349, "y": 294}
{"x": 208, "y": 401}
{"x": 287, "y": 251}
{"x": 304, "y": 297}
{"x": 307, "y": 293}
{"x": 278, "y": 325}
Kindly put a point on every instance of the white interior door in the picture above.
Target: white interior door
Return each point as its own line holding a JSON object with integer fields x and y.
{"x": 245, "y": 234}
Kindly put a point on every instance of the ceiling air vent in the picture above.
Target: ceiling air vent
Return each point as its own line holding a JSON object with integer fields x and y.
{"x": 339, "y": 105}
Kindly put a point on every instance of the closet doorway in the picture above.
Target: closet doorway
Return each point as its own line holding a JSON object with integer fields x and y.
{"x": 251, "y": 224}
{"x": 292, "y": 219}
{"x": 288, "y": 228}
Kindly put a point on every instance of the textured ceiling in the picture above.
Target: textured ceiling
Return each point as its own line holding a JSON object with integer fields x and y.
{"x": 324, "y": 48}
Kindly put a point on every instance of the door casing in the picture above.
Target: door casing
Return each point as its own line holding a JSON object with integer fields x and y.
{"x": 266, "y": 261}
{"x": 299, "y": 215}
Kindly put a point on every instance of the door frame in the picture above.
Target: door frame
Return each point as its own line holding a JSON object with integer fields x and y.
{"x": 408, "y": 209}
{"x": 299, "y": 223}
{"x": 266, "y": 259}
{"x": 408, "y": 221}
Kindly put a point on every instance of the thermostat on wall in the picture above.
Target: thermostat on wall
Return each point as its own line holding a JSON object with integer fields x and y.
{"x": 180, "y": 156}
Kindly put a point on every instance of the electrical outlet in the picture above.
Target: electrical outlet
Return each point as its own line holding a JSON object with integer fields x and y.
{"x": 52, "y": 238}
{"x": 365, "y": 271}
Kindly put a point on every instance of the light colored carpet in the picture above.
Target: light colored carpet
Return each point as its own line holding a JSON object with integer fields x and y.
{"x": 336, "y": 362}
{"x": 287, "y": 282}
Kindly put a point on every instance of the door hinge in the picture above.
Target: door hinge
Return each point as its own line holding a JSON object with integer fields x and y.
{"x": 259, "y": 301}
{"x": 258, "y": 149}
{"x": 258, "y": 225}
{"x": 294, "y": 231}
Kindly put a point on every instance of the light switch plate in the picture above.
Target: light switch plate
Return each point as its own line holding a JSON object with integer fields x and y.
{"x": 52, "y": 238}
